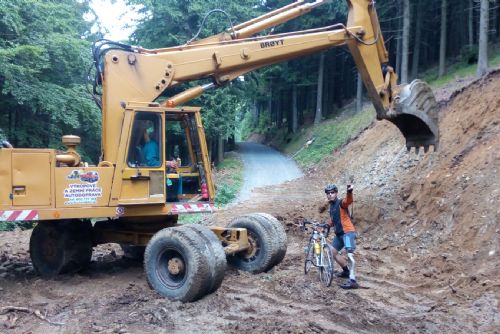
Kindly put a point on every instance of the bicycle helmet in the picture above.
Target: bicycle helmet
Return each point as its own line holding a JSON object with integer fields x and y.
{"x": 331, "y": 187}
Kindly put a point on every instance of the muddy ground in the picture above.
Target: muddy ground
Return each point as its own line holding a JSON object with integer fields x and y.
{"x": 428, "y": 248}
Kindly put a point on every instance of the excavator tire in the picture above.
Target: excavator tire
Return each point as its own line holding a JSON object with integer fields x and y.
{"x": 275, "y": 242}
{"x": 416, "y": 116}
{"x": 279, "y": 243}
{"x": 58, "y": 247}
{"x": 280, "y": 236}
{"x": 217, "y": 256}
{"x": 176, "y": 265}
{"x": 259, "y": 257}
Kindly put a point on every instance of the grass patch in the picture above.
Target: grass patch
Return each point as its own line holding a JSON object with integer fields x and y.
{"x": 11, "y": 226}
{"x": 328, "y": 136}
{"x": 192, "y": 218}
{"x": 228, "y": 179}
{"x": 459, "y": 70}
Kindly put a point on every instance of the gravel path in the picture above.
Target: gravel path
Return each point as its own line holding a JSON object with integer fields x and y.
{"x": 264, "y": 166}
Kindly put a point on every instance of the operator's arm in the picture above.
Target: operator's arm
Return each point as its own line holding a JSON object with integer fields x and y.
{"x": 349, "y": 197}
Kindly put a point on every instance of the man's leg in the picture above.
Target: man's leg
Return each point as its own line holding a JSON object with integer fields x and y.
{"x": 340, "y": 259}
{"x": 350, "y": 245}
{"x": 338, "y": 244}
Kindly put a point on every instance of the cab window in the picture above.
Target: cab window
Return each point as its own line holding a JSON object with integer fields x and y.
{"x": 145, "y": 144}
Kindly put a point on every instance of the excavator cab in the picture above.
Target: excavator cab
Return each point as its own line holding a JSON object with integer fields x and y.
{"x": 167, "y": 158}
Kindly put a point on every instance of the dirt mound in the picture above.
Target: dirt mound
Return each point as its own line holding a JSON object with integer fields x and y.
{"x": 428, "y": 248}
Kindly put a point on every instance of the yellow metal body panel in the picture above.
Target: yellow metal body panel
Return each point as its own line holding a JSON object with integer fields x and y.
{"x": 137, "y": 192}
{"x": 5, "y": 177}
{"x": 82, "y": 212}
{"x": 32, "y": 176}
{"x": 83, "y": 186}
{"x": 153, "y": 71}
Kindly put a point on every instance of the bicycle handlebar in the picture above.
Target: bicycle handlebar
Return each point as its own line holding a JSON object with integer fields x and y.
{"x": 316, "y": 225}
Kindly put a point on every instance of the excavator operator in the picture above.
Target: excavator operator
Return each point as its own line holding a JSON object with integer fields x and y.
{"x": 150, "y": 151}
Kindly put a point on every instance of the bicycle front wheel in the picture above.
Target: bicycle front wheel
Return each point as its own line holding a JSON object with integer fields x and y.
{"x": 326, "y": 269}
{"x": 309, "y": 258}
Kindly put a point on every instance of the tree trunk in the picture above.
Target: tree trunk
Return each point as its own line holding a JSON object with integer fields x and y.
{"x": 482, "y": 58}
{"x": 255, "y": 113}
{"x": 9, "y": 136}
{"x": 471, "y": 22}
{"x": 295, "y": 123}
{"x": 406, "y": 41}
{"x": 319, "y": 93}
{"x": 270, "y": 103}
{"x": 220, "y": 148}
{"x": 399, "y": 44}
{"x": 359, "y": 94}
{"x": 210, "y": 148}
{"x": 494, "y": 20}
{"x": 442, "y": 43}
{"x": 418, "y": 37}
{"x": 231, "y": 143}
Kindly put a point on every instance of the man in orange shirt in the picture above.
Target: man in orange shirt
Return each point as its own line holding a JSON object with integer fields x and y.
{"x": 345, "y": 234}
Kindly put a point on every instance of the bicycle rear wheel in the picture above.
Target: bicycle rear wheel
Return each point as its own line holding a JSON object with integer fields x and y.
{"x": 309, "y": 258}
{"x": 326, "y": 270}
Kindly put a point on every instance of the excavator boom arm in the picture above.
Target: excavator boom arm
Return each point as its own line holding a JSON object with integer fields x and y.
{"x": 137, "y": 74}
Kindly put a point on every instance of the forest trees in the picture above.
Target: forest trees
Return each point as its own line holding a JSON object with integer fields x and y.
{"x": 43, "y": 62}
{"x": 45, "y": 52}
{"x": 482, "y": 59}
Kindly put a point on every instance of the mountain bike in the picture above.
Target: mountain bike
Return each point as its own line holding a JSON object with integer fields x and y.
{"x": 318, "y": 252}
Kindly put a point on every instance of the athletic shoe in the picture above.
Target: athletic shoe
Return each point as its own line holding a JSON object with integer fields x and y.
{"x": 349, "y": 284}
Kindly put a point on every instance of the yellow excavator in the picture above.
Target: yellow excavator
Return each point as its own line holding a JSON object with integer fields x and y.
{"x": 155, "y": 165}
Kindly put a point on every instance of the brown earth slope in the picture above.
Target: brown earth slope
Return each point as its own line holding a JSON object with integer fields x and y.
{"x": 428, "y": 249}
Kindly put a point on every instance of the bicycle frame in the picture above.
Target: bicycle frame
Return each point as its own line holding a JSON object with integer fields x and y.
{"x": 318, "y": 252}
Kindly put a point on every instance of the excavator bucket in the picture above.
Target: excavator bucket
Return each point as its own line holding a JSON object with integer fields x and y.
{"x": 416, "y": 115}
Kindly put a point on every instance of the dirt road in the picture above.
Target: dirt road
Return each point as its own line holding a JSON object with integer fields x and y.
{"x": 264, "y": 166}
{"x": 428, "y": 249}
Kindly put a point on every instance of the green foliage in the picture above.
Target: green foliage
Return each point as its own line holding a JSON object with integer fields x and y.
{"x": 246, "y": 126}
{"x": 10, "y": 226}
{"x": 469, "y": 53}
{"x": 43, "y": 63}
{"x": 229, "y": 180}
{"x": 328, "y": 136}
{"x": 459, "y": 70}
{"x": 174, "y": 22}
{"x": 222, "y": 109}
{"x": 192, "y": 218}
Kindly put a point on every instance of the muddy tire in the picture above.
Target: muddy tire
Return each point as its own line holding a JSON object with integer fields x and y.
{"x": 259, "y": 257}
{"x": 133, "y": 252}
{"x": 308, "y": 262}
{"x": 280, "y": 236}
{"x": 326, "y": 271}
{"x": 215, "y": 253}
{"x": 275, "y": 244}
{"x": 175, "y": 265}
{"x": 58, "y": 247}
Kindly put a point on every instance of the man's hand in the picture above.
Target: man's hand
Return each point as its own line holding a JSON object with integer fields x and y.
{"x": 322, "y": 208}
{"x": 350, "y": 188}
{"x": 172, "y": 164}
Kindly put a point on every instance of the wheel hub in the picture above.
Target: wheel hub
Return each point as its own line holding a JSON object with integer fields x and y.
{"x": 49, "y": 250}
{"x": 175, "y": 266}
{"x": 252, "y": 250}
